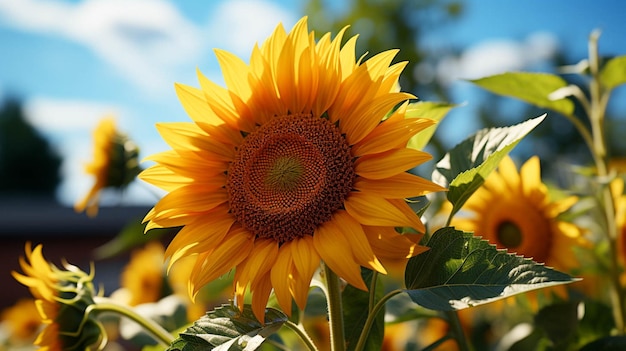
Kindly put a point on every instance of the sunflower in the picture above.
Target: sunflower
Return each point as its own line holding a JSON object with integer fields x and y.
{"x": 143, "y": 276}
{"x": 293, "y": 163}
{"x": 619, "y": 199}
{"x": 114, "y": 164}
{"x": 514, "y": 211}
{"x": 22, "y": 321}
{"x": 62, "y": 298}
{"x": 143, "y": 279}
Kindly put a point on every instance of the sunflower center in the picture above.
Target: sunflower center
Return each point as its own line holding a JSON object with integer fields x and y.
{"x": 289, "y": 176}
{"x": 285, "y": 173}
{"x": 509, "y": 234}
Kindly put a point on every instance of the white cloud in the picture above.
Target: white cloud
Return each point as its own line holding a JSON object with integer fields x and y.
{"x": 237, "y": 25}
{"x": 62, "y": 116}
{"x": 145, "y": 40}
{"x": 497, "y": 56}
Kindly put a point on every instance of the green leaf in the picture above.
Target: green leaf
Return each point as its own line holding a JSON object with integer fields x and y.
{"x": 461, "y": 270}
{"x": 227, "y": 328}
{"x": 559, "y": 322}
{"x": 610, "y": 343}
{"x": 465, "y": 168}
{"x": 355, "y": 302}
{"x": 131, "y": 236}
{"x": 613, "y": 73}
{"x": 531, "y": 87}
{"x": 430, "y": 110}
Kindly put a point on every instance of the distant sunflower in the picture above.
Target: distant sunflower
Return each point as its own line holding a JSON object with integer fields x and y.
{"x": 143, "y": 276}
{"x": 514, "y": 211}
{"x": 143, "y": 279}
{"x": 290, "y": 165}
{"x": 22, "y": 320}
{"x": 115, "y": 164}
{"x": 619, "y": 198}
{"x": 62, "y": 298}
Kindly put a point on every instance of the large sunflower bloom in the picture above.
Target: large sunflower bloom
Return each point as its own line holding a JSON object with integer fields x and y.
{"x": 114, "y": 164}
{"x": 514, "y": 211}
{"x": 62, "y": 299}
{"x": 288, "y": 166}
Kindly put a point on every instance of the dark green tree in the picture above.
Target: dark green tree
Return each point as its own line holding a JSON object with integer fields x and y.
{"x": 28, "y": 164}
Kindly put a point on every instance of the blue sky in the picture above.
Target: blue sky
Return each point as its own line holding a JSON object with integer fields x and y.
{"x": 72, "y": 62}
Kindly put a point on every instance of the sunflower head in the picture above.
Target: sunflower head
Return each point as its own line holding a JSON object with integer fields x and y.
{"x": 62, "y": 299}
{"x": 144, "y": 275}
{"x": 115, "y": 163}
{"x": 22, "y": 321}
{"x": 514, "y": 211}
{"x": 301, "y": 158}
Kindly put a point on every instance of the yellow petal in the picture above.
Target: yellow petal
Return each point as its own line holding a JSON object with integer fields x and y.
{"x": 335, "y": 251}
{"x": 235, "y": 73}
{"x": 359, "y": 122}
{"x": 281, "y": 274}
{"x": 508, "y": 171}
{"x": 307, "y": 261}
{"x": 190, "y": 198}
{"x": 164, "y": 178}
{"x": 567, "y": 229}
{"x": 530, "y": 177}
{"x": 195, "y": 104}
{"x": 389, "y": 163}
{"x": 190, "y": 136}
{"x": 220, "y": 101}
{"x": 261, "y": 288}
{"x": 259, "y": 262}
{"x": 201, "y": 235}
{"x": 227, "y": 254}
{"x": 387, "y": 243}
{"x": 393, "y": 133}
{"x": 376, "y": 211}
{"x": 557, "y": 207}
{"x": 400, "y": 186}
{"x": 357, "y": 241}
{"x": 189, "y": 164}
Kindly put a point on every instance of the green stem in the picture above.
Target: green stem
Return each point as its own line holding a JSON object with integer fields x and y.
{"x": 598, "y": 102}
{"x": 371, "y": 317}
{"x": 104, "y": 304}
{"x": 457, "y": 329}
{"x": 436, "y": 344}
{"x": 335, "y": 310}
{"x": 306, "y": 339}
{"x": 372, "y": 297}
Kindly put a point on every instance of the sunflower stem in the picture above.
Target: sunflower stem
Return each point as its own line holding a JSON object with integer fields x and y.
{"x": 335, "y": 310}
{"x": 302, "y": 334}
{"x": 457, "y": 330}
{"x": 371, "y": 317}
{"x": 598, "y": 102}
{"x": 372, "y": 297}
{"x": 103, "y": 304}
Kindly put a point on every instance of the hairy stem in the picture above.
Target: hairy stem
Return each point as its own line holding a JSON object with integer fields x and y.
{"x": 302, "y": 334}
{"x": 598, "y": 102}
{"x": 335, "y": 310}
